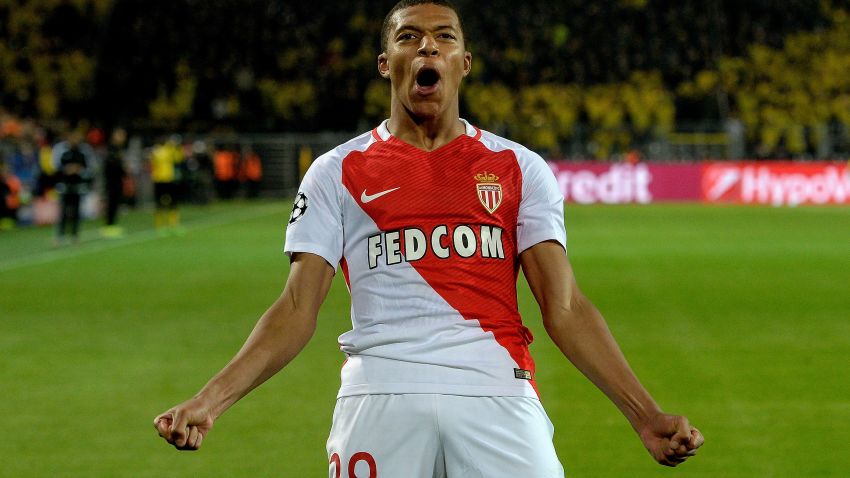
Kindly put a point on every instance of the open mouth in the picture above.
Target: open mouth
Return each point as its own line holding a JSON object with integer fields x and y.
{"x": 427, "y": 78}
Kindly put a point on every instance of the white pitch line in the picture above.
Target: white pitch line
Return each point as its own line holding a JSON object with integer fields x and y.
{"x": 92, "y": 246}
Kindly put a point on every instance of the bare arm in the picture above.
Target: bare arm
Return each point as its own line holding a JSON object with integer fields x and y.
{"x": 280, "y": 334}
{"x": 580, "y": 331}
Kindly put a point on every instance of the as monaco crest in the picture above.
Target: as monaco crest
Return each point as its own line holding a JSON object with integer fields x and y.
{"x": 489, "y": 191}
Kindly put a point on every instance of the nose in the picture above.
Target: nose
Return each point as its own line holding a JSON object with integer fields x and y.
{"x": 428, "y": 47}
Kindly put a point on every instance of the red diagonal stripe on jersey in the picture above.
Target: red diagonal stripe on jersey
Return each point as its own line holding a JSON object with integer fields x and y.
{"x": 439, "y": 188}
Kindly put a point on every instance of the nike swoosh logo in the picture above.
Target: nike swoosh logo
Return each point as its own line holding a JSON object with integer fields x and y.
{"x": 364, "y": 198}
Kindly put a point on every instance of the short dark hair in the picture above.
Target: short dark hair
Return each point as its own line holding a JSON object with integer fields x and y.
{"x": 385, "y": 30}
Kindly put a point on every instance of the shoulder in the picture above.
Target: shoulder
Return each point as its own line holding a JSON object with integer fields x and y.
{"x": 537, "y": 175}
{"x": 338, "y": 154}
{"x": 329, "y": 165}
{"x": 527, "y": 159}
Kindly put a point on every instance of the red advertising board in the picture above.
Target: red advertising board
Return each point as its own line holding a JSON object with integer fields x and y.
{"x": 617, "y": 183}
{"x": 776, "y": 183}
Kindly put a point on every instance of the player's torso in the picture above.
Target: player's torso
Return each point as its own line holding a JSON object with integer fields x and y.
{"x": 163, "y": 159}
{"x": 449, "y": 214}
{"x": 430, "y": 259}
{"x": 73, "y": 163}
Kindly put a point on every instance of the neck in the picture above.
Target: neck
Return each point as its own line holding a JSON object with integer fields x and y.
{"x": 425, "y": 133}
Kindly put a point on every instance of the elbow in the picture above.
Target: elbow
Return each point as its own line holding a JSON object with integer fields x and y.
{"x": 288, "y": 321}
{"x": 557, "y": 314}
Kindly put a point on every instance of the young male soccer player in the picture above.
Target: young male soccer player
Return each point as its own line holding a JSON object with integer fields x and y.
{"x": 429, "y": 219}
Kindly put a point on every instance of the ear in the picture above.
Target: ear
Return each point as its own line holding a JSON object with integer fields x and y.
{"x": 383, "y": 65}
{"x": 467, "y": 63}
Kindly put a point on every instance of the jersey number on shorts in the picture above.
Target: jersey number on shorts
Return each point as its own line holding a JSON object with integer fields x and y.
{"x": 357, "y": 457}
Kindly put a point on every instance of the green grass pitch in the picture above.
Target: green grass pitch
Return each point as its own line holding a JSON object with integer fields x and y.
{"x": 737, "y": 317}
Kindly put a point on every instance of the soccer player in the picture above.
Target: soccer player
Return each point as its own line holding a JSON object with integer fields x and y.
{"x": 164, "y": 160}
{"x": 73, "y": 159}
{"x": 430, "y": 218}
{"x": 114, "y": 174}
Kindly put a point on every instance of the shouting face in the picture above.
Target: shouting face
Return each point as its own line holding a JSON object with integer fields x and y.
{"x": 425, "y": 60}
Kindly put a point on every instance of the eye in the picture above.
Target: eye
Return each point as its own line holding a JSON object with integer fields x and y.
{"x": 447, "y": 36}
{"x": 406, "y": 36}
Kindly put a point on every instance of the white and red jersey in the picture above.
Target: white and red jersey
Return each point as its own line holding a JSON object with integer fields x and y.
{"x": 429, "y": 243}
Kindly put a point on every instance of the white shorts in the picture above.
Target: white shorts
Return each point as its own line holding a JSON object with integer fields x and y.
{"x": 441, "y": 436}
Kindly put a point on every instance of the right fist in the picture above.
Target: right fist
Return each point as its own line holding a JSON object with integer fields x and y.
{"x": 185, "y": 425}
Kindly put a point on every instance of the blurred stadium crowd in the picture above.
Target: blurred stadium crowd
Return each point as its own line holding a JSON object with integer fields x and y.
{"x": 575, "y": 79}
{"x": 49, "y": 176}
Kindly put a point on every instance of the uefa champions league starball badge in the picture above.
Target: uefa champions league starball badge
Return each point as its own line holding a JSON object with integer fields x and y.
{"x": 299, "y": 207}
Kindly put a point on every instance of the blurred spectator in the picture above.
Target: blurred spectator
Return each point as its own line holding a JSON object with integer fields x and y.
{"x": 95, "y": 137}
{"x": 137, "y": 167}
{"x": 250, "y": 172}
{"x": 47, "y": 176}
{"x": 114, "y": 175}
{"x": 10, "y": 126}
{"x": 73, "y": 160}
{"x": 202, "y": 167}
{"x": 226, "y": 166}
{"x": 23, "y": 162}
{"x": 633, "y": 156}
{"x": 10, "y": 197}
{"x": 165, "y": 159}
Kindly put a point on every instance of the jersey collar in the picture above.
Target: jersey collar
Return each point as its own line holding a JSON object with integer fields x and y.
{"x": 382, "y": 132}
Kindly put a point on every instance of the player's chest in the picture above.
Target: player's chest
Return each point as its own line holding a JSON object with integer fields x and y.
{"x": 471, "y": 188}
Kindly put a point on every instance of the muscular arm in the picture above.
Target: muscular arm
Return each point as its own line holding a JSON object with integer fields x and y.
{"x": 579, "y": 330}
{"x": 280, "y": 334}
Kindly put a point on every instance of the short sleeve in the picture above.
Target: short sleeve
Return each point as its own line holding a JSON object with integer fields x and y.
{"x": 315, "y": 224}
{"x": 541, "y": 210}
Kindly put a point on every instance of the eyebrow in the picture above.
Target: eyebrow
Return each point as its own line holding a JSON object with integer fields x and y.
{"x": 417, "y": 29}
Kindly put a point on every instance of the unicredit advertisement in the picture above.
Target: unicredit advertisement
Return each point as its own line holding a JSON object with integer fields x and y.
{"x": 617, "y": 183}
{"x": 776, "y": 183}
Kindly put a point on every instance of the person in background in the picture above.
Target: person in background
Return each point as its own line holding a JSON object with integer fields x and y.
{"x": 250, "y": 172}
{"x": 226, "y": 167}
{"x": 46, "y": 176}
{"x": 633, "y": 157}
{"x": 203, "y": 165}
{"x": 164, "y": 160}
{"x": 23, "y": 164}
{"x": 10, "y": 197}
{"x": 113, "y": 182}
{"x": 73, "y": 160}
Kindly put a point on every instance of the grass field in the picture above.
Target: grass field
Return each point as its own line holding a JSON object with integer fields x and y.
{"x": 737, "y": 317}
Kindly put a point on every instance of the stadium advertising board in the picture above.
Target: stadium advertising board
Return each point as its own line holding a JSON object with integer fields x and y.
{"x": 776, "y": 183}
{"x": 618, "y": 183}
{"x": 780, "y": 183}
